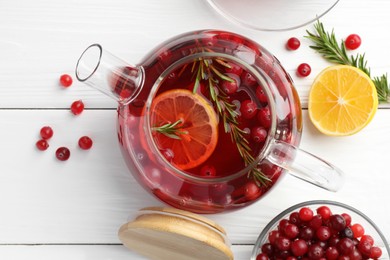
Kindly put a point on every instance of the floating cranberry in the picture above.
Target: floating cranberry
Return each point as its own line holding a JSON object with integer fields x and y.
{"x": 208, "y": 171}
{"x": 259, "y": 134}
{"x": 304, "y": 70}
{"x": 77, "y": 107}
{"x": 230, "y": 87}
{"x": 234, "y": 68}
{"x": 353, "y": 41}
{"x": 85, "y": 142}
{"x": 66, "y": 80}
{"x": 248, "y": 79}
{"x": 46, "y": 132}
{"x": 42, "y": 145}
{"x": 248, "y": 109}
{"x": 252, "y": 190}
{"x": 62, "y": 153}
{"x": 261, "y": 95}
{"x": 293, "y": 43}
{"x": 264, "y": 117}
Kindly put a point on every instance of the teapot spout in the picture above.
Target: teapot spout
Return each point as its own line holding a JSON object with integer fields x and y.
{"x": 107, "y": 73}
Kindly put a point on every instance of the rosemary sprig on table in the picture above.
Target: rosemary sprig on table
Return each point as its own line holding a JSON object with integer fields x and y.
{"x": 172, "y": 130}
{"x": 326, "y": 44}
{"x": 205, "y": 70}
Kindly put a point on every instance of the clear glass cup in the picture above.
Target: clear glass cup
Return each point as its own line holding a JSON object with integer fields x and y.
{"x": 272, "y": 15}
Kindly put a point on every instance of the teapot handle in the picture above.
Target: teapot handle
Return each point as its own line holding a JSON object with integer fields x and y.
{"x": 305, "y": 165}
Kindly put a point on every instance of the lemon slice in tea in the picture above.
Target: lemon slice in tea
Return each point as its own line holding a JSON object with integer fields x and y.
{"x": 197, "y": 132}
{"x": 342, "y": 100}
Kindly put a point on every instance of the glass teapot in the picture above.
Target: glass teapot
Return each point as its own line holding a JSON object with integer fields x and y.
{"x": 209, "y": 121}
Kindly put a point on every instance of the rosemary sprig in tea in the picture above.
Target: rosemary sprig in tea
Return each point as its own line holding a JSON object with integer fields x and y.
{"x": 205, "y": 70}
{"x": 172, "y": 130}
{"x": 326, "y": 44}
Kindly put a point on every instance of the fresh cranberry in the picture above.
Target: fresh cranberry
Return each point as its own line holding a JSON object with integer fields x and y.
{"x": 337, "y": 222}
{"x": 346, "y": 232}
{"x": 234, "y": 68}
{"x": 331, "y": 253}
{"x": 262, "y": 257}
{"x": 294, "y": 218}
{"x": 248, "y": 79}
{"x": 305, "y": 214}
{"x": 261, "y": 96}
{"x": 325, "y": 212}
{"x": 259, "y": 134}
{"x": 268, "y": 249}
{"x": 304, "y": 70}
{"x": 315, "y": 251}
{"x": 291, "y": 231}
{"x": 85, "y": 142}
{"x": 230, "y": 87}
{"x": 376, "y": 252}
{"x": 264, "y": 117}
{"x": 273, "y": 235}
{"x": 252, "y": 190}
{"x": 46, "y": 132}
{"x": 323, "y": 233}
{"x": 77, "y": 107}
{"x": 367, "y": 238}
{"x": 316, "y": 222}
{"x": 358, "y": 230}
{"x": 248, "y": 109}
{"x": 299, "y": 247}
{"x": 345, "y": 246}
{"x": 293, "y": 43}
{"x": 347, "y": 218}
{"x": 283, "y": 243}
{"x": 62, "y": 153}
{"x": 306, "y": 233}
{"x": 66, "y": 80}
{"x": 364, "y": 247}
{"x": 353, "y": 41}
{"x": 283, "y": 224}
{"x": 208, "y": 171}
{"x": 42, "y": 144}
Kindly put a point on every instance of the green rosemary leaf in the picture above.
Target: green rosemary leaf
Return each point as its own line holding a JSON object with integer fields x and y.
{"x": 221, "y": 75}
{"x": 326, "y": 44}
{"x": 171, "y": 130}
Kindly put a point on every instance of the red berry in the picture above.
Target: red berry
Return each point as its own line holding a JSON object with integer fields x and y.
{"x": 345, "y": 246}
{"x": 42, "y": 145}
{"x": 331, "y": 253}
{"x": 66, "y": 80}
{"x": 337, "y": 222}
{"x": 293, "y": 43}
{"x": 248, "y": 109}
{"x": 46, "y": 132}
{"x": 347, "y": 219}
{"x": 264, "y": 117}
{"x": 262, "y": 97}
{"x": 208, "y": 171}
{"x": 358, "y": 230}
{"x": 316, "y": 222}
{"x": 248, "y": 79}
{"x": 367, "y": 238}
{"x": 376, "y": 252}
{"x": 315, "y": 251}
{"x": 230, "y": 87}
{"x": 234, "y": 68}
{"x": 258, "y": 134}
{"x": 291, "y": 231}
{"x": 323, "y": 233}
{"x": 304, "y": 70}
{"x": 364, "y": 247}
{"x": 85, "y": 142}
{"x": 305, "y": 214}
{"x": 283, "y": 243}
{"x": 77, "y": 107}
{"x": 299, "y": 247}
{"x": 62, "y": 153}
{"x": 252, "y": 190}
{"x": 353, "y": 42}
{"x": 325, "y": 212}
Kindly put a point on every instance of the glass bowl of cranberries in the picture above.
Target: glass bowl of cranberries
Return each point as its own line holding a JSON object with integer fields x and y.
{"x": 321, "y": 229}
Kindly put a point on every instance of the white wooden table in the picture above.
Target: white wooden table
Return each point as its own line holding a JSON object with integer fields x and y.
{"x": 72, "y": 210}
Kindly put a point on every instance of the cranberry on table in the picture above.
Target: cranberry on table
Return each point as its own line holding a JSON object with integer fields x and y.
{"x": 46, "y": 132}
{"x": 66, "y": 80}
{"x": 85, "y": 142}
{"x": 353, "y": 41}
{"x": 293, "y": 43}
{"x": 42, "y": 145}
{"x": 62, "y": 153}
{"x": 304, "y": 70}
{"x": 77, "y": 107}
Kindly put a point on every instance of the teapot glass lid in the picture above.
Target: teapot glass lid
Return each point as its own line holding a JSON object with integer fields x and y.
{"x": 272, "y": 15}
